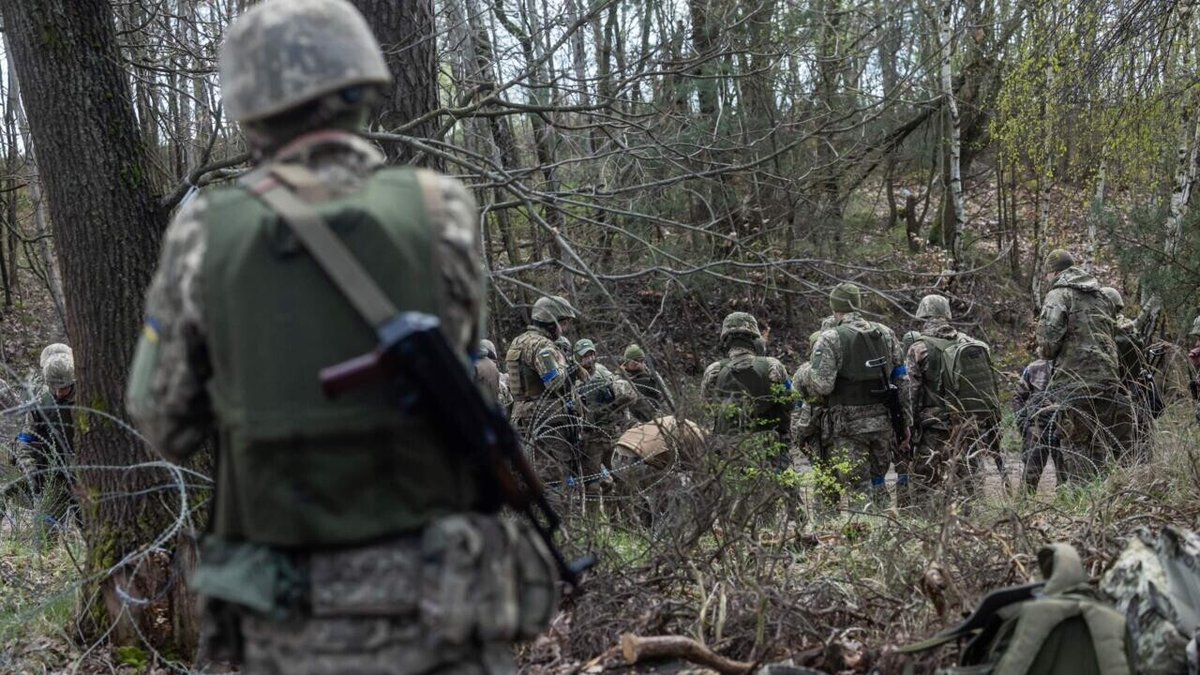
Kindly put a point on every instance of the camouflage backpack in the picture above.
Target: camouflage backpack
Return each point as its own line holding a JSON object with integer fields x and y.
{"x": 1155, "y": 583}
{"x": 961, "y": 371}
{"x": 1047, "y": 628}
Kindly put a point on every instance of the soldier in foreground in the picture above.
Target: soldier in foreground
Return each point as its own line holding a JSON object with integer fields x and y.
{"x": 859, "y": 369}
{"x": 956, "y": 403}
{"x": 1094, "y": 418}
{"x": 327, "y": 511}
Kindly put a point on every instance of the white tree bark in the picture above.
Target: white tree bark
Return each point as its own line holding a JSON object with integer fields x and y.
{"x": 955, "y": 228}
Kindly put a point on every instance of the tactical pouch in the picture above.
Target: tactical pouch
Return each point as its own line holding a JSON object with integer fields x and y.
{"x": 485, "y": 576}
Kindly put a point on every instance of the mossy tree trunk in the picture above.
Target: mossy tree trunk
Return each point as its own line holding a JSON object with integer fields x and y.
{"x": 106, "y": 224}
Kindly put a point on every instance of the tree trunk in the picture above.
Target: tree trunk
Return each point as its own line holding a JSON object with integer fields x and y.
{"x": 406, "y": 32}
{"x": 954, "y": 229}
{"x": 106, "y": 224}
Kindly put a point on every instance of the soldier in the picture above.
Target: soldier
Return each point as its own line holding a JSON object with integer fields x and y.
{"x": 749, "y": 391}
{"x": 487, "y": 373}
{"x": 809, "y": 431}
{"x": 542, "y": 383}
{"x": 851, "y": 365}
{"x": 1132, "y": 367}
{"x": 955, "y": 402}
{"x": 1094, "y": 418}
{"x": 1034, "y": 412}
{"x": 653, "y": 398}
{"x": 606, "y": 400}
{"x": 326, "y": 511}
{"x": 46, "y": 448}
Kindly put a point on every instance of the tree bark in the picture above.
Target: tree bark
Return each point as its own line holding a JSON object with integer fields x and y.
{"x": 106, "y": 225}
{"x": 406, "y": 32}
{"x": 954, "y": 228}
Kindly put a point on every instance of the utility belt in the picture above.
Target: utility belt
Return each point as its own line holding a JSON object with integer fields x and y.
{"x": 466, "y": 578}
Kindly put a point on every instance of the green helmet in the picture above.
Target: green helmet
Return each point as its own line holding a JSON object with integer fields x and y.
{"x": 563, "y": 344}
{"x": 1195, "y": 327}
{"x": 845, "y": 297}
{"x": 486, "y": 348}
{"x": 282, "y": 54}
{"x": 583, "y": 346}
{"x": 59, "y": 371}
{"x": 635, "y": 352}
{"x": 934, "y": 307}
{"x": 1058, "y": 260}
{"x": 551, "y": 309}
{"x": 739, "y": 324}
{"x": 51, "y": 350}
{"x": 1114, "y": 296}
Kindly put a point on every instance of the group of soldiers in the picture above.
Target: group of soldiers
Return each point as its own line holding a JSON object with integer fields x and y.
{"x": 327, "y": 509}
{"x": 865, "y": 401}
{"x": 571, "y": 406}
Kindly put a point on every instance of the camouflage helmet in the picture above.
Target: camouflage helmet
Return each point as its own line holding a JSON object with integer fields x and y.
{"x": 1195, "y": 327}
{"x": 59, "y": 371}
{"x": 552, "y": 309}
{"x": 583, "y": 346}
{"x": 739, "y": 324}
{"x": 1114, "y": 296}
{"x": 51, "y": 350}
{"x": 634, "y": 352}
{"x": 1058, "y": 260}
{"x": 563, "y": 344}
{"x": 284, "y": 53}
{"x": 488, "y": 349}
{"x": 845, "y": 297}
{"x": 933, "y": 307}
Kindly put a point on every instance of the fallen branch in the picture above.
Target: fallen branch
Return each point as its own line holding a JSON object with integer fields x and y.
{"x": 636, "y": 649}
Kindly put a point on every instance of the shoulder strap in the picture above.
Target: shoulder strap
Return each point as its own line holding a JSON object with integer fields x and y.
{"x": 331, "y": 254}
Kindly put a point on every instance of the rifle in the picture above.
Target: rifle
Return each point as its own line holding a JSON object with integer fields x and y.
{"x": 413, "y": 347}
{"x": 891, "y": 394}
{"x": 1149, "y": 386}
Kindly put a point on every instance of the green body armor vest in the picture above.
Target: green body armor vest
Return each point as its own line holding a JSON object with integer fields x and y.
{"x": 856, "y": 383}
{"x": 295, "y": 468}
{"x": 958, "y": 377}
{"x": 746, "y": 383}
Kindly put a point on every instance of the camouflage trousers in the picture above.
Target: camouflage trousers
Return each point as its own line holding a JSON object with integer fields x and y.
{"x": 948, "y": 462}
{"x": 1094, "y": 427}
{"x": 553, "y": 438}
{"x": 1039, "y": 447}
{"x": 363, "y": 646}
{"x": 858, "y": 463}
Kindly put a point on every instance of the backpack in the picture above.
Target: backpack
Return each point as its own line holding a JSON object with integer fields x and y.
{"x": 1056, "y": 626}
{"x": 1155, "y": 583}
{"x": 961, "y": 370}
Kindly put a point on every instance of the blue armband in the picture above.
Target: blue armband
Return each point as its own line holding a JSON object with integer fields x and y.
{"x": 787, "y": 384}
{"x": 25, "y": 437}
{"x": 899, "y": 371}
{"x": 549, "y": 376}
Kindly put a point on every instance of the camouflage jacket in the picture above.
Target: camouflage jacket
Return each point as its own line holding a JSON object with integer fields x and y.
{"x": 607, "y": 397}
{"x": 1030, "y": 400}
{"x": 1075, "y": 329}
{"x": 536, "y": 366}
{"x": 821, "y": 378}
{"x": 174, "y": 411}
